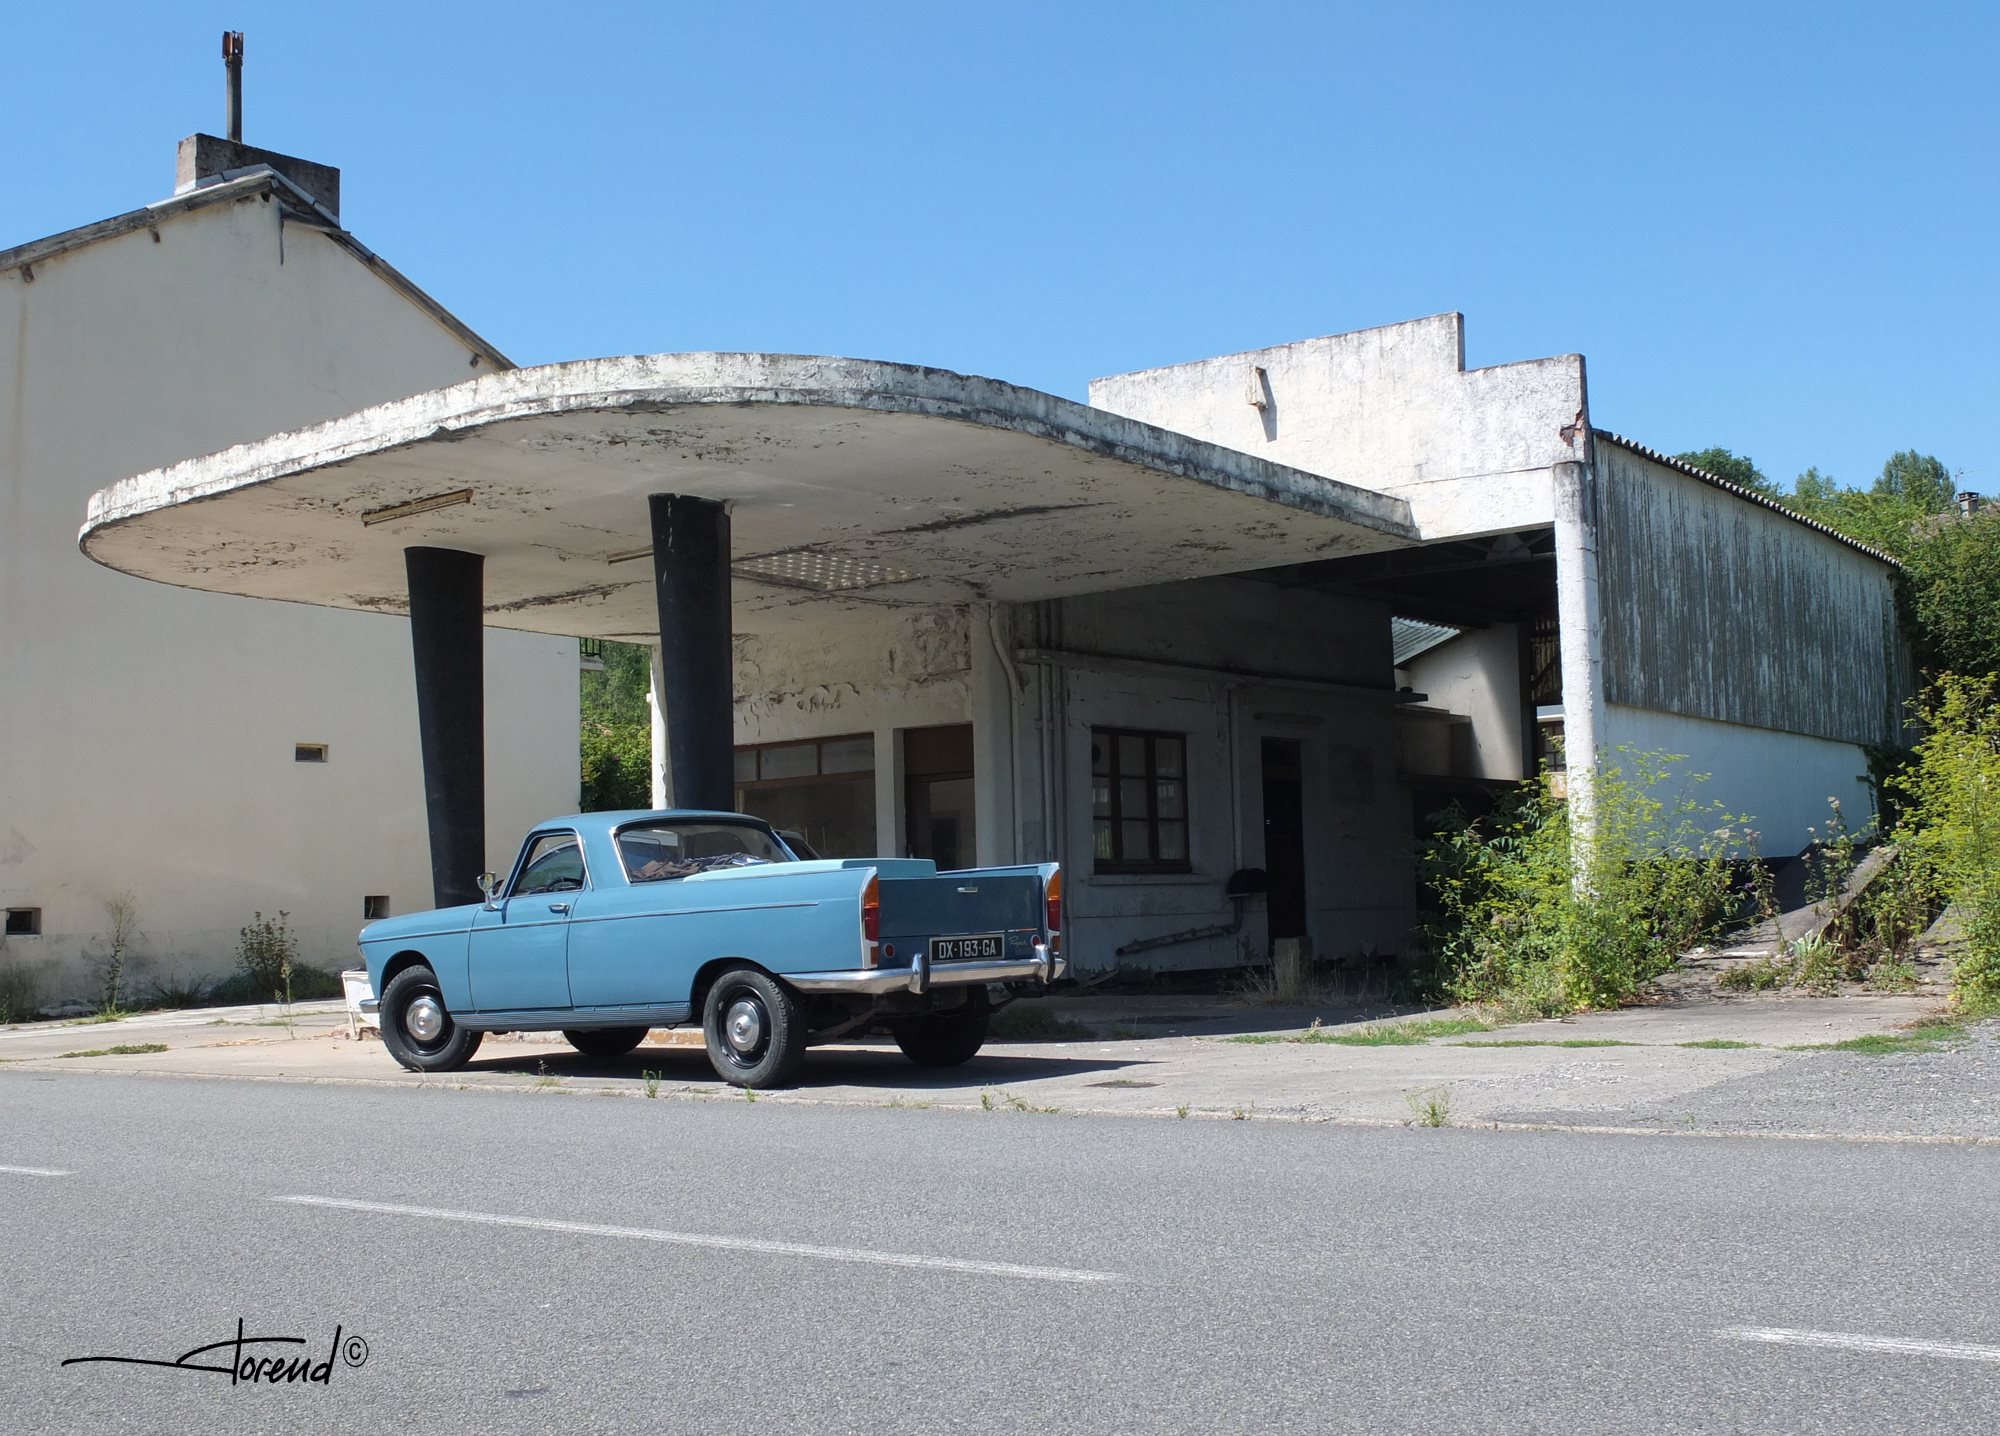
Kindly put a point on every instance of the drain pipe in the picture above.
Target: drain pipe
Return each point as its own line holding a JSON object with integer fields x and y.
{"x": 1244, "y": 884}
{"x": 1194, "y": 934}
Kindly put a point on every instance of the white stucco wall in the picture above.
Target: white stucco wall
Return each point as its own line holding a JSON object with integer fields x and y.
{"x": 1209, "y": 640}
{"x": 876, "y": 671}
{"x": 1226, "y": 662}
{"x": 146, "y": 732}
{"x": 1392, "y": 409}
{"x": 1778, "y": 783}
{"x": 1478, "y": 675}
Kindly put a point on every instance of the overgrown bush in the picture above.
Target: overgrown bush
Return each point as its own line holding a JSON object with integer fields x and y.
{"x": 617, "y": 766}
{"x": 1532, "y": 915}
{"x": 266, "y": 954}
{"x": 1950, "y": 829}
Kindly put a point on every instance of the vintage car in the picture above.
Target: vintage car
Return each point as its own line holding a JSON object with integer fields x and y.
{"x": 611, "y": 924}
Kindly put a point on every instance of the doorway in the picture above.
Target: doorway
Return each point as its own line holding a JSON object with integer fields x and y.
{"x": 1285, "y": 837}
{"x": 937, "y": 795}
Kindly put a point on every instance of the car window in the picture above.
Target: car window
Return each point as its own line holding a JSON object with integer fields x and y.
{"x": 554, "y": 865}
{"x": 656, "y": 851}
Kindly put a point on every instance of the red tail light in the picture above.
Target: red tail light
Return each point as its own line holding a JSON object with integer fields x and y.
{"x": 1054, "y": 891}
{"x": 871, "y": 911}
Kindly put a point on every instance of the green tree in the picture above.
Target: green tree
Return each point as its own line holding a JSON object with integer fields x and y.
{"x": 1919, "y": 480}
{"x": 1950, "y": 588}
{"x": 616, "y": 736}
{"x": 1889, "y": 514}
{"x": 617, "y": 694}
{"x": 1736, "y": 468}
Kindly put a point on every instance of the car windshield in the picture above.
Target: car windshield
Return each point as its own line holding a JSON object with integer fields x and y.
{"x": 653, "y": 851}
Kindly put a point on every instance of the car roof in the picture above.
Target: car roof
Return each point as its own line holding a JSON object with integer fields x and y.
{"x": 619, "y": 817}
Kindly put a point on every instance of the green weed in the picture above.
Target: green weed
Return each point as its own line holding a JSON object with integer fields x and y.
{"x": 1719, "y": 1044}
{"x": 110, "y": 1014}
{"x": 123, "y": 1049}
{"x": 1931, "y": 1037}
{"x": 1758, "y": 975}
{"x": 1401, "y": 1034}
{"x": 1430, "y": 1106}
{"x": 1552, "y": 1042}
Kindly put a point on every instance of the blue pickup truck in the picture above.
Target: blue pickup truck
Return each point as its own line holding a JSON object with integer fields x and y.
{"x": 611, "y": 924}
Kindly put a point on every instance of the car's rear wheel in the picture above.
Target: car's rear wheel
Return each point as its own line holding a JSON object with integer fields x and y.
{"x": 755, "y": 1032}
{"x": 416, "y": 1027}
{"x": 604, "y": 1041}
{"x": 945, "y": 1039}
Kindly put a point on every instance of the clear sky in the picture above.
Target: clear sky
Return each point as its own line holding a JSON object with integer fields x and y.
{"x": 1768, "y": 227}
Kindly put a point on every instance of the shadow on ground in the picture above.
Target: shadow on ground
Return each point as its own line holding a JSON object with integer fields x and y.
{"x": 824, "y": 1067}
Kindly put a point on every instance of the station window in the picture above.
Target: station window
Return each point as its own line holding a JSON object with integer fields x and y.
{"x": 375, "y": 906}
{"x": 1138, "y": 794}
{"x": 24, "y": 922}
{"x": 308, "y": 752}
{"x": 821, "y": 788}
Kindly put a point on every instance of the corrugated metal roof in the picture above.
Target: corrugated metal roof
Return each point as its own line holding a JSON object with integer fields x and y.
{"x": 1410, "y": 637}
{"x": 1752, "y": 495}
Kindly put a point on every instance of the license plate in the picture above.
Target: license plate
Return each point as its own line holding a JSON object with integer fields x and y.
{"x": 986, "y": 947}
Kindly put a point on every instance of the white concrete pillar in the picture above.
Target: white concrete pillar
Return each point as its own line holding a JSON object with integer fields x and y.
{"x": 1580, "y": 632}
{"x": 996, "y": 719}
{"x": 663, "y": 787}
{"x": 890, "y": 840}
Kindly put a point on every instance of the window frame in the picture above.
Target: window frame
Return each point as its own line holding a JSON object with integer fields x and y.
{"x": 528, "y": 846}
{"x": 1118, "y": 863}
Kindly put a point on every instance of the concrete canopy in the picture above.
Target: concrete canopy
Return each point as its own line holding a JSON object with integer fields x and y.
{"x": 848, "y": 481}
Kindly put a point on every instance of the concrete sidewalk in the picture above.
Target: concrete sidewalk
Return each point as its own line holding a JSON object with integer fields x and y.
{"x": 1172, "y": 1057}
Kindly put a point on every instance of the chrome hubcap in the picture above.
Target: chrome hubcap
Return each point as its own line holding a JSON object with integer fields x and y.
{"x": 744, "y": 1026}
{"x": 424, "y": 1019}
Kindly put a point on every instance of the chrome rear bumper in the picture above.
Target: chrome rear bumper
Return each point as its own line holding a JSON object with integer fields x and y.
{"x": 920, "y": 976}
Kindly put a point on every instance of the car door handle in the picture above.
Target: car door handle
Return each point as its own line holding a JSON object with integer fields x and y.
{"x": 558, "y": 907}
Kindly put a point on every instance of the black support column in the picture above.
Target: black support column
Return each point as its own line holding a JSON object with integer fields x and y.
{"x": 448, "y": 637}
{"x": 691, "y": 580}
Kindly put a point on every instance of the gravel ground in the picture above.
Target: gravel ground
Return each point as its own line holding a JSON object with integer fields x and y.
{"x": 1952, "y": 1093}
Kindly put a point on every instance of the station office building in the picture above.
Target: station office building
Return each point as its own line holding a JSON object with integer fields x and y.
{"x": 1256, "y": 612}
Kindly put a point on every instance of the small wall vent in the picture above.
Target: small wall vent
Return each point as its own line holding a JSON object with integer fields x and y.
{"x": 308, "y": 752}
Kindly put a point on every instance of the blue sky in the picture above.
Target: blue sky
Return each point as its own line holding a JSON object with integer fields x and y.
{"x": 1769, "y": 227}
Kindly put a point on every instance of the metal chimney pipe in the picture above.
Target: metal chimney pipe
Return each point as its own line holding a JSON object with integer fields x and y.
{"x": 232, "y": 61}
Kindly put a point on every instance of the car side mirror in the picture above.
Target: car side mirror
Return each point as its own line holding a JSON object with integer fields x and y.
{"x": 488, "y": 885}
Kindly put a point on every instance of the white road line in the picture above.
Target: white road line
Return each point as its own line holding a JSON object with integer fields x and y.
{"x": 1851, "y": 1341}
{"x": 37, "y": 1171}
{"x": 741, "y": 1244}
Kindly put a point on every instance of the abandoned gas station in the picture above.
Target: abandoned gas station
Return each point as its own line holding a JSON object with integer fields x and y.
{"x": 1259, "y": 612}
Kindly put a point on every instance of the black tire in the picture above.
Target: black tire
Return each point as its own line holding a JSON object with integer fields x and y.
{"x": 604, "y": 1041}
{"x": 755, "y": 1032}
{"x": 446, "y": 1049}
{"x": 945, "y": 1039}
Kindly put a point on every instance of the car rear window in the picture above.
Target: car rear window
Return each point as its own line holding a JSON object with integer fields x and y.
{"x": 655, "y": 852}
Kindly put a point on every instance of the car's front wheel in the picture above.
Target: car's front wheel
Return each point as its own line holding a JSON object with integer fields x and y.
{"x": 604, "y": 1041}
{"x": 416, "y": 1027}
{"x": 755, "y": 1032}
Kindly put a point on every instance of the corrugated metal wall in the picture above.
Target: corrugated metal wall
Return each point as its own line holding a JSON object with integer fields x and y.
{"x": 1716, "y": 607}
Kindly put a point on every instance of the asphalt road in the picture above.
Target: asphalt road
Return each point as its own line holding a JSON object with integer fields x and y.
{"x": 540, "y": 1261}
